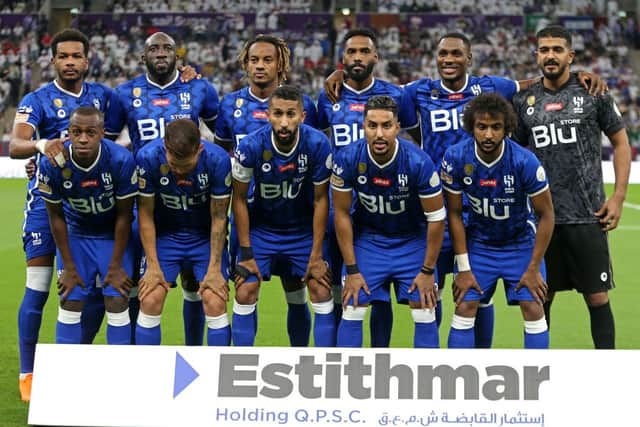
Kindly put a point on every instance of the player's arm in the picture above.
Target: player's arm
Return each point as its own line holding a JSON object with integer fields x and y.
{"x": 590, "y": 81}
{"x": 116, "y": 275}
{"x": 532, "y": 279}
{"x": 227, "y": 145}
{"x": 214, "y": 280}
{"x": 317, "y": 268}
{"x": 153, "y": 275}
{"x": 611, "y": 211}
{"x": 246, "y": 262}
{"x": 332, "y": 85}
{"x": 21, "y": 146}
{"x": 464, "y": 279}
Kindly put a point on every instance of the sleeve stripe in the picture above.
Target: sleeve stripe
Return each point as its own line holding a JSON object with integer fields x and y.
{"x": 542, "y": 190}
{"x": 210, "y": 119}
{"x": 221, "y": 196}
{"x": 452, "y": 191}
{"x": 146, "y": 194}
{"x": 215, "y": 135}
{"x": 126, "y": 196}
{"x": 321, "y": 182}
{"x": 428, "y": 196}
{"x": 51, "y": 201}
{"x": 344, "y": 190}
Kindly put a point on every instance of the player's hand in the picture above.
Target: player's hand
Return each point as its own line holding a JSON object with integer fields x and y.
{"x": 188, "y": 73}
{"x": 152, "y": 278}
{"x": 30, "y": 168}
{"x": 610, "y": 213}
{"x": 248, "y": 267}
{"x": 533, "y": 280}
{"x": 118, "y": 278}
{"x": 214, "y": 282}
{"x": 351, "y": 289}
{"x": 68, "y": 279}
{"x": 426, "y": 285}
{"x": 593, "y": 83}
{"x": 464, "y": 281}
{"x": 332, "y": 85}
{"x": 56, "y": 153}
{"x": 319, "y": 271}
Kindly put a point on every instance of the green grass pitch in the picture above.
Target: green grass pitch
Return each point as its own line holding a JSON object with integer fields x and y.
{"x": 570, "y": 329}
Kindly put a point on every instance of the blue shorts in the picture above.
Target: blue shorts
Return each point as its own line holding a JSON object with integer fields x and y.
{"x": 382, "y": 260}
{"x": 280, "y": 254}
{"x": 445, "y": 258}
{"x": 92, "y": 257}
{"x": 182, "y": 250}
{"x": 38, "y": 243}
{"x": 490, "y": 263}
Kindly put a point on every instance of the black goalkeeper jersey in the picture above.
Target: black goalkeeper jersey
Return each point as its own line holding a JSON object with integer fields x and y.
{"x": 564, "y": 130}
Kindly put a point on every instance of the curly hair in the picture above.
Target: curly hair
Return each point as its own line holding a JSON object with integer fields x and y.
{"x": 492, "y": 104}
{"x": 282, "y": 51}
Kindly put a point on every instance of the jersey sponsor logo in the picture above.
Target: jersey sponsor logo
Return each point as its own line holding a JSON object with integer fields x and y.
{"x": 356, "y": 107}
{"x": 377, "y": 204}
{"x": 336, "y": 181}
{"x": 382, "y": 182}
{"x": 149, "y": 129}
{"x": 89, "y": 183}
{"x": 160, "y": 102}
{"x": 578, "y": 102}
{"x": 93, "y": 205}
{"x": 44, "y": 188}
{"x": 445, "y": 120}
{"x": 184, "y": 183}
{"x": 545, "y": 135}
{"x": 183, "y": 202}
{"x": 287, "y": 167}
{"x": 481, "y": 206}
{"x": 434, "y": 181}
{"x": 344, "y": 134}
{"x": 261, "y": 115}
{"x": 284, "y": 190}
{"x": 553, "y": 106}
{"x": 487, "y": 182}
{"x": 455, "y": 97}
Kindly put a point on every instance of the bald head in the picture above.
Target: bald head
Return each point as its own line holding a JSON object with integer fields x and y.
{"x": 160, "y": 57}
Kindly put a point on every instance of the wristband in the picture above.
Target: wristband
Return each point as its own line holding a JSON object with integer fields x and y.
{"x": 462, "y": 261}
{"x": 352, "y": 269}
{"x": 246, "y": 252}
{"x": 427, "y": 270}
{"x": 41, "y": 144}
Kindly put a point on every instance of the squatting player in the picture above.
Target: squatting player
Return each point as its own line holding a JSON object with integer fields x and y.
{"x": 396, "y": 186}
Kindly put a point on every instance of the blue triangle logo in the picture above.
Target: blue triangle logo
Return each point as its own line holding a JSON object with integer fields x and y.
{"x": 184, "y": 375}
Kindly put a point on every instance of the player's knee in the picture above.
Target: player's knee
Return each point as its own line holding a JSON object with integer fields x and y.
{"x": 116, "y": 304}
{"x": 354, "y": 313}
{"x": 213, "y": 304}
{"x": 298, "y": 296}
{"x": 318, "y": 292}
{"x": 467, "y": 308}
{"x": 72, "y": 305}
{"x": 39, "y": 278}
{"x": 152, "y": 303}
{"x": 597, "y": 299}
{"x": 247, "y": 293}
{"x": 423, "y": 315}
{"x": 191, "y": 296}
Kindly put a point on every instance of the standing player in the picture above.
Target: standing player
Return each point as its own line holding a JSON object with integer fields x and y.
{"x": 265, "y": 59}
{"x": 498, "y": 178}
{"x": 39, "y": 129}
{"x": 395, "y": 184}
{"x": 90, "y": 205}
{"x": 343, "y": 120}
{"x": 185, "y": 186}
{"x": 289, "y": 165}
{"x": 562, "y": 124}
{"x": 146, "y": 105}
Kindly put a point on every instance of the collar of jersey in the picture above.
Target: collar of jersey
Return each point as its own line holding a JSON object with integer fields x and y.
{"x": 91, "y": 165}
{"x": 395, "y": 154}
{"x": 293, "y": 149}
{"x": 251, "y": 94}
{"x": 75, "y": 95}
{"x": 446, "y": 89}
{"x": 358, "y": 92}
{"x": 173, "y": 80}
{"x": 489, "y": 165}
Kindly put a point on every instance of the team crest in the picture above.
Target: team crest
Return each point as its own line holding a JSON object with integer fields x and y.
{"x": 267, "y": 155}
{"x": 362, "y": 167}
{"x": 531, "y": 100}
{"x": 434, "y": 94}
{"x": 57, "y": 102}
{"x": 239, "y": 102}
{"x": 164, "y": 169}
{"x": 137, "y": 92}
{"x": 96, "y": 103}
{"x": 66, "y": 173}
{"x": 468, "y": 169}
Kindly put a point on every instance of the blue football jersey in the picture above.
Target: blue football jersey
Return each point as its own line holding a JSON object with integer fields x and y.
{"x": 88, "y": 195}
{"x": 183, "y": 204}
{"x": 283, "y": 182}
{"x": 241, "y": 113}
{"x": 440, "y": 110}
{"x": 387, "y": 197}
{"x": 345, "y": 118}
{"x": 47, "y": 110}
{"x": 146, "y": 108}
{"x": 497, "y": 193}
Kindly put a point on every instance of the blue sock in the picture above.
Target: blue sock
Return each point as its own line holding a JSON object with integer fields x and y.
{"x": 92, "y": 315}
{"x": 381, "y": 323}
{"x": 324, "y": 325}
{"x": 68, "y": 333}
{"x": 243, "y": 332}
{"x": 461, "y": 338}
{"x": 119, "y": 335}
{"x": 425, "y": 335}
{"x": 540, "y": 340}
{"x": 483, "y": 328}
{"x": 193, "y": 315}
{"x": 134, "y": 309}
{"x": 349, "y": 333}
{"x": 219, "y": 337}
{"x": 29, "y": 321}
{"x": 298, "y": 324}
{"x": 439, "y": 312}
{"x": 148, "y": 329}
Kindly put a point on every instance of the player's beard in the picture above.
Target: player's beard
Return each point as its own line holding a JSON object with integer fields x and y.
{"x": 555, "y": 75}
{"x": 161, "y": 76}
{"x": 287, "y": 142}
{"x": 359, "y": 76}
